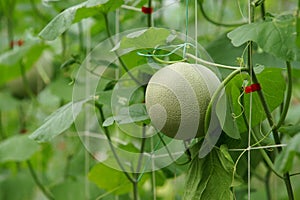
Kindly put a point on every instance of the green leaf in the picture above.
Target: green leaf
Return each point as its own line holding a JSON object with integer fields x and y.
{"x": 23, "y": 180}
{"x": 149, "y": 38}
{"x": 17, "y": 148}
{"x": 275, "y": 36}
{"x": 10, "y": 60}
{"x": 104, "y": 97}
{"x": 203, "y": 178}
{"x": 105, "y": 6}
{"x": 73, "y": 14}
{"x": 290, "y": 130}
{"x": 59, "y": 190}
{"x": 284, "y": 161}
{"x": 238, "y": 105}
{"x": 127, "y": 115}
{"x": 60, "y": 23}
{"x": 58, "y": 122}
{"x": 109, "y": 179}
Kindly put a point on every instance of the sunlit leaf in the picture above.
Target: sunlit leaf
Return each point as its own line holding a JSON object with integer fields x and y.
{"x": 109, "y": 179}
{"x": 149, "y": 38}
{"x": 276, "y": 36}
{"x": 58, "y": 122}
{"x": 73, "y": 14}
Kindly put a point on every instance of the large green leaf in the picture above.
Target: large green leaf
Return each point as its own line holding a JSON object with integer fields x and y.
{"x": 275, "y": 36}
{"x": 73, "y": 14}
{"x": 211, "y": 177}
{"x": 58, "y": 122}
{"x": 284, "y": 161}
{"x": 149, "y": 38}
{"x": 222, "y": 51}
{"x": 273, "y": 87}
{"x": 17, "y": 148}
{"x": 109, "y": 179}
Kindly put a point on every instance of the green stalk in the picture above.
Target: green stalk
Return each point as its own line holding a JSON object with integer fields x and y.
{"x": 200, "y": 3}
{"x": 267, "y": 184}
{"x": 2, "y": 133}
{"x": 288, "y": 96}
{"x": 64, "y": 44}
{"x": 81, "y": 43}
{"x": 138, "y": 175}
{"x": 9, "y": 12}
{"x": 263, "y": 10}
{"x": 149, "y": 18}
{"x": 38, "y": 182}
{"x": 99, "y": 107}
{"x": 141, "y": 150}
{"x": 267, "y": 110}
{"x": 275, "y": 134}
{"x": 170, "y": 154}
{"x": 26, "y": 83}
{"x": 135, "y": 190}
{"x": 37, "y": 12}
{"x": 119, "y": 58}
{"x": 217, "y": 94}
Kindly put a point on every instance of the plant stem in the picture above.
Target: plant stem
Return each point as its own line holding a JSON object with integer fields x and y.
{"x": 275, "y": 134}
{"x": 263, "y": 10}
{"x": 63, "y": 44}
{"x": 26, "y": 84}
{"x": 267, "y": 184}
{"x": 153, "y": 185}
{"x": 141, "y": 150}
{"x": 99, "y": 107}
{"x": 138, "y": 175}
{"x": 135, "y": 190}
{"x": 267, "y": 110}
{"x": 288, "y": 96}
{"x": 9, "y": 12}
{"x": 265, "y": 156}
{"x": 37, "y": 12}
{"x": 170, "y": 154}
{"x": 149, "y": 18}
{"x": 200, "y": 3}
{"x": 2, "y": 133}
{"x": 38, "y": 182}
{"x": 81, "y": 43}
{"x": 217, "y": 94}
{"x": 119, "y": 58}
{"x": 67, "y": 166}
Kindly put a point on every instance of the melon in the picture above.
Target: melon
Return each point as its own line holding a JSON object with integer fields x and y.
{"x": 177, "y": 97}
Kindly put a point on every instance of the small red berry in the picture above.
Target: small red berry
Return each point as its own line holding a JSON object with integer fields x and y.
{"x": 23, "y": 131}
{"x": 20, "y": 42}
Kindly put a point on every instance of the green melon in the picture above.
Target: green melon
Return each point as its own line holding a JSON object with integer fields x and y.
{"x": 177, "y": 97}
